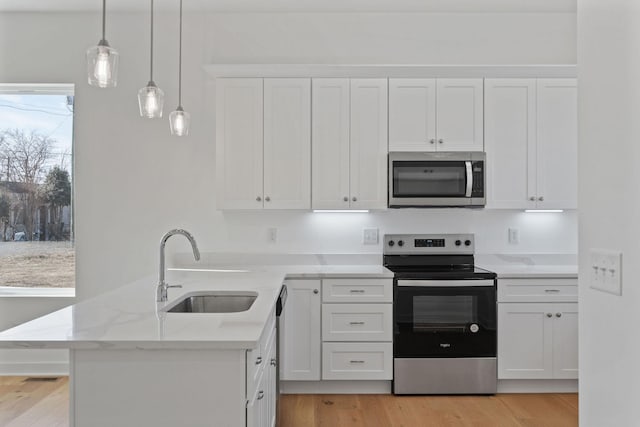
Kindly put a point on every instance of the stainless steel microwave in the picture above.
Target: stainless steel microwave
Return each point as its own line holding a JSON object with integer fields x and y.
{"x": 438, "y": 179}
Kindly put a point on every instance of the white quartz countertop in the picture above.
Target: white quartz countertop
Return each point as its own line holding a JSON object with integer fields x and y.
{"x": 129, "y": 317}
{"x": 530, "y": 266}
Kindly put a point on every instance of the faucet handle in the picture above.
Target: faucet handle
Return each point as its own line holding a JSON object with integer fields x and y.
{"x": 174, "y": 286}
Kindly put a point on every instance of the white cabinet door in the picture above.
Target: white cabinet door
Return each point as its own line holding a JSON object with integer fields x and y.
{"x": 330, "y": 144}
{"x": 557, "y": 148}
{"x": 369, "y": 146}
{"x": 565, "y": 341}
{"x": 510, "y": 141}
{"x": 459, "y": 120}
{"x": 287, "y": 143}
{"x": 270, "y": 385}
{"x": 412, "y": 114}
{"x": 239, "y": 133}
{"x": 300, "y": 331}
{"x": 525, "y": 341}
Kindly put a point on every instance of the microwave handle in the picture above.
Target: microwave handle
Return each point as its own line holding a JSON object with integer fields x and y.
{"x": 469, "y": 179}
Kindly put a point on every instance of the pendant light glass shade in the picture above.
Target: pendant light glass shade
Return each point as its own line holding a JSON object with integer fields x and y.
{"x": 151, "y": 101}
{"x": 102, "y": 60}
{"x": 151, "y": 97}
{"x": 180, "y": 120}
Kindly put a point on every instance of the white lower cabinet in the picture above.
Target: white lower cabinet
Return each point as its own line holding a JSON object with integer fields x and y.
{"x": 261, "y": 381}
{"x": 537, "y": 340}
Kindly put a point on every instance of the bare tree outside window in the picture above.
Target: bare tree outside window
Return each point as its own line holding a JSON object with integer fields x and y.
{"x": 36, "y": 159}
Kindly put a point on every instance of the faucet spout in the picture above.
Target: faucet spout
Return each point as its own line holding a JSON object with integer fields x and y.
{"x": 162, "y": 285}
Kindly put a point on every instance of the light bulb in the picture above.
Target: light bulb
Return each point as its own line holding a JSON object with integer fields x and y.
{"x": 101, "y": 70}
{"x": 102, "y": 63}
{"x": 151, "y": 101}
{"x": 179, "y": 121}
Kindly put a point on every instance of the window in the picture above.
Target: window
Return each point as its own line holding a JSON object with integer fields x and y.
{"x": 36, "y": 187}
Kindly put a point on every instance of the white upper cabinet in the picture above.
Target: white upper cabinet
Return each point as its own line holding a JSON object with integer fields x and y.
{"x": 459, "y": 120}
{"x": 531, "y": 143}
{"x": 330, "y": 144}
{"x": 412, "y": 114}
{"x": 369, "y": 144}
{"x": 263, "y": 143}
{"x": 287, "y": 143}
{"x": 510, "y": 130}
{"x": 557, "y": 151}
{"x": 435, "y": 115}
{"x": 239, "y": 135}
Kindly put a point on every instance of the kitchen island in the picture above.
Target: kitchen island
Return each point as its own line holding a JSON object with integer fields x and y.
{"x": 133, "y": 363}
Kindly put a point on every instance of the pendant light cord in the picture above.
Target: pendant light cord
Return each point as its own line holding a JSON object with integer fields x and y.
{"x": 104, "y": 18}
{"x": 180, "y": 62}
{"x": 151, "y": 73}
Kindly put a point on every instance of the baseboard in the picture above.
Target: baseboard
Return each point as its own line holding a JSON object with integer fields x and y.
{"x": 36, "y": 369}
{"x": 537, "y": 386}
{"x": 335, "y": 387}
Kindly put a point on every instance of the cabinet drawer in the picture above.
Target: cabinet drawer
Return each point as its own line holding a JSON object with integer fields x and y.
{"x": 357, "y": 361}
{"x": 356, "y": 322}
{"x": 537, "y": 290}
{"x": 257, "y": 357}
{"x": 357, "y": 290}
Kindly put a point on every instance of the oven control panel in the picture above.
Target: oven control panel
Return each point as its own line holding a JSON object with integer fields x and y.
{"x": 410, "y": 244}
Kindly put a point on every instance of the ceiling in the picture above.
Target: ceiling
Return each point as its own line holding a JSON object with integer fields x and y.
{"x": 433, "y": 6}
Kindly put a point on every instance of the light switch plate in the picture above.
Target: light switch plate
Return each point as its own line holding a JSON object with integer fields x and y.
{"x": 370, "y": 236}
{"x": 605, "y": 270}
{"x": 272, "y": 234}
{"x": 514, "y": 236}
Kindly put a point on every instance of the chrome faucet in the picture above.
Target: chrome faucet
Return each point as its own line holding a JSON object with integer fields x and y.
{"x": 162, "y": 285}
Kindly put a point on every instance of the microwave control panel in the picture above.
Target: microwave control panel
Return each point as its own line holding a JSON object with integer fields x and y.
{"x": 477, "y": 168}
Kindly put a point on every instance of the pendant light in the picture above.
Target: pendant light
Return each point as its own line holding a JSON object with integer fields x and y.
{"x": 102, "y": 60}
{"x": 179, "y": 120}
{"x": 151, "y": 97}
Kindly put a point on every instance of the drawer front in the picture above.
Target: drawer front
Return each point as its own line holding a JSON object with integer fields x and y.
{"x": 257, "y": 357}
{"x": 357, "y": 322}
{"x": 357, "y": 290}
{"x": 357, "y": 361}
{"x": 537, "y": 290}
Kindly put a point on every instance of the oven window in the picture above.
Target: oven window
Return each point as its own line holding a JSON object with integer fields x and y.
{"x": 429, "y": 179}
{"x": 436, "y": 311}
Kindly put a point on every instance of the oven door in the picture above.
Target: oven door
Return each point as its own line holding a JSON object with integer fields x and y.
{"x": 444, "y": 318}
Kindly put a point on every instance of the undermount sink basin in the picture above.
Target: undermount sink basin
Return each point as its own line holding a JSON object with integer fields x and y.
{"x": 215, "y": 302}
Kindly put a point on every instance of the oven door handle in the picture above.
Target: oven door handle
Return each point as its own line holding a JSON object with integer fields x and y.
{"x": 469, "y": 179}
{"x": 445, "y": 283}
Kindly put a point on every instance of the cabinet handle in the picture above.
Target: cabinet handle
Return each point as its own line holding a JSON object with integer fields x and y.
{"x": 355, "y": 199}
{"x": 541, "y": 199}
{"x": 258, "y": 360}
{"x": 267, "y": 199}
{"x": 315, "y": 291}
{"x": 432, "y": 141}
{"x": 441, "y": 141}
{"x": 356, "y": 323}
{"x": 549, "y": 314}
{"x": 533, "y": 199}
{"x": 346, "y": 199}
{"x": 258, "y": 199}
{"x": 552, "y": 291}
{"x": 357, "y": 291}
{"x": 558, "y": 314}
{"x": 273, "y": 362}
{"x": 356, "y": 361}
{"x": 260, "y": 394}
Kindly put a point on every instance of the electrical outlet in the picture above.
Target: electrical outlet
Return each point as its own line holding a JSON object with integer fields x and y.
{"x": 514, "y": 236}
{"x": 605, "y": 271}
{"x": 272, "y": 234}
{"x": 370, "y": 236}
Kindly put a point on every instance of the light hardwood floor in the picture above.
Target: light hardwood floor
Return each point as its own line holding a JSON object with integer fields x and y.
{"x": 32, "y": 402}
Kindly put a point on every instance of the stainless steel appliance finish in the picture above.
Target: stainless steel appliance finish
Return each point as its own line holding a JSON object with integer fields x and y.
{"x": 445, "y": 319}
{"x": 437, "y": 179}
{"x": 468, "y": 375}
{"x": 215, "y": 303}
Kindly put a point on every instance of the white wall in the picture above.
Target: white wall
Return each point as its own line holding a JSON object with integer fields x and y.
{"x": 609, "y": 100}
{"x": 134, "y": 181}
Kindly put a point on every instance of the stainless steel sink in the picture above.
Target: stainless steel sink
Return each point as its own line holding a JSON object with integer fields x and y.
{"x": 215, "y": 302}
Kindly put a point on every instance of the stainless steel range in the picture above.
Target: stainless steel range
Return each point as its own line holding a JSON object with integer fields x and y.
{"x": 444, "y": 310}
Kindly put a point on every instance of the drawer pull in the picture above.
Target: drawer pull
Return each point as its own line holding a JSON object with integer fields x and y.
{"x": 356, "y": 323}
{"x": 260, "y": 394}
{"x": 357, "y": 291}
{"x": 273, "y": 362}
{"x": 258, "y": 360}
{"x": 552, "y": 291}
{"x": 355, "y": 362}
